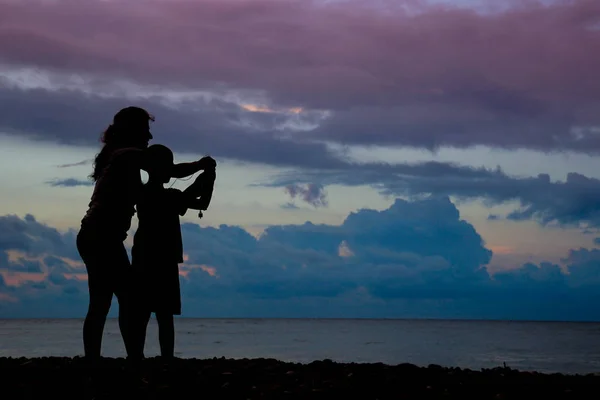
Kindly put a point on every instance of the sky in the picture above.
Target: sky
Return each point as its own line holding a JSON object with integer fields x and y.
{"x": 380, "y": 159}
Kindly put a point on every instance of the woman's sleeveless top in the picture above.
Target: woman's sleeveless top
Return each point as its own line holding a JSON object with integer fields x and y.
{"x": 113, "y": 201}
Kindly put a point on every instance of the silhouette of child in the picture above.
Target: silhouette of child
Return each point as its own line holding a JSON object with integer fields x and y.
{"x": 158, "y": 247}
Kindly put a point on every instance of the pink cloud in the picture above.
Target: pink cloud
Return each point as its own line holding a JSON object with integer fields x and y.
{"x": 78, "y": 277}
{"x": 212, "y": 271}
{"x": 307, "y": 53}
{"x": 20, "y": 278}
{"x": 186, "y": 267}
{"x": 6, "y": 298}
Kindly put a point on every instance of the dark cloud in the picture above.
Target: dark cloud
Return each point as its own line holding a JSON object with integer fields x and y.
{"x": 313, "y": 194}
{"x": 426, "y": 77}
{"x": 29, "y": 236}
{"x": 584, "y": 268}
{"x": 36, "y": 250}
{"x": 221, "y": 128}
{"x": 69, "y": 182}
{"x": 60, "y": 266}
{"x": 411, "y": 250}
{"x": 20, "y": 264}
{"x": 456, "y": 123}
{"x": 76, "y": 164}
{"x": 549, "y": 293}
{"x": 289, "y": 206}
{"x": 43, "y": 251}
{"x": 574, "y": 202}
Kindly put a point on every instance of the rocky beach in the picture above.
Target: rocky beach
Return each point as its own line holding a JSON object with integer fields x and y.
{"x": 70, "y": 378}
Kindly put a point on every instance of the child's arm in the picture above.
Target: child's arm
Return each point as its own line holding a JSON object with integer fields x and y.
{"x": 202, "y": 187}
{"x": 198, "y": 204}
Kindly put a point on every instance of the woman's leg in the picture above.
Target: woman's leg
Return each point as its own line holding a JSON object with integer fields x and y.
{"x": 166, "y": 334}
{"x": 129, "y": 312}
{"x": 108, "y": 268}
{"x": 93, "y": 326}
{"x": 101, "y": 293}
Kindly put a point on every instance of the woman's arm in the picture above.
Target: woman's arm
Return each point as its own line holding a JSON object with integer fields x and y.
{"x": 182, "y": 170}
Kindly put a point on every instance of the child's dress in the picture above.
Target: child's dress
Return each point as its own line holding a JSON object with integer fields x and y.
{"x": 158, "y": 249}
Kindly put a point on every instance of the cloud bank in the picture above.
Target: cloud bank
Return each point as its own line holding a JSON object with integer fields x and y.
{"x": 414, "y": 259}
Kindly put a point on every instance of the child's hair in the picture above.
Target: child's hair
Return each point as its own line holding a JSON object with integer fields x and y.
{"x": 158, "y": 159}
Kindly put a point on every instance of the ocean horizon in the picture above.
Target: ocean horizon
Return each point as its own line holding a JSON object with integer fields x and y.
{"x": 549, "y": 346}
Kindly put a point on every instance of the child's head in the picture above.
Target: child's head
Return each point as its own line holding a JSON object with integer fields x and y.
{"x": 159, "y": 162}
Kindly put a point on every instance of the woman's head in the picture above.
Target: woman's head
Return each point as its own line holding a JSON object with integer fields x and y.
{"x": 130, "y": 128}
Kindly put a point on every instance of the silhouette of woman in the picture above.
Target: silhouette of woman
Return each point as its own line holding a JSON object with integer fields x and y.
{"x": 104, "y": 227}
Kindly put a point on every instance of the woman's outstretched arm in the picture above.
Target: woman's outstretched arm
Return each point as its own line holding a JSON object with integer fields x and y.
{"x": 182, "y": 170}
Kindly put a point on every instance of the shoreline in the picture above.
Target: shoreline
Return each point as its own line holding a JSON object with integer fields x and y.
{"x": 259, "y": 378}
{"x": 271, "y": 318}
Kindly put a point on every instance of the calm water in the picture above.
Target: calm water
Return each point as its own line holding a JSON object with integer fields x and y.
{"x": 545, "y": 346}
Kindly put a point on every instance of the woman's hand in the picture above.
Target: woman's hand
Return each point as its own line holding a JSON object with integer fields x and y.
{"x": 207, "y": 162}
{"x": 182, "y": 170}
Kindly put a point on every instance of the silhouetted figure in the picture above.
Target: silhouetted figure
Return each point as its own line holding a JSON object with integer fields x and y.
{"x": 104, "y": 227}
{"x": 157, "y": 245}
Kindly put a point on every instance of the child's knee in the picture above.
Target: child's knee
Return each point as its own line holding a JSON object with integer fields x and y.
{"x": 164, "y": 318}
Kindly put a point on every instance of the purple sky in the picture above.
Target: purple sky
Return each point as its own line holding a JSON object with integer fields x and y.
{"x": 446, "y": 76}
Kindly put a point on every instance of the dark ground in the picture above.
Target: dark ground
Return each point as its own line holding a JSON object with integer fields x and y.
{"x": 70, "y": 378}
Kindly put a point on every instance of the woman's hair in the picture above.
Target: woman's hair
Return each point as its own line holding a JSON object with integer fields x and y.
{"x": 123, "y": 132}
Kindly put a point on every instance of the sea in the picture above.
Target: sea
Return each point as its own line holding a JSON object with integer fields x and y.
{"x": 564, "y": 347}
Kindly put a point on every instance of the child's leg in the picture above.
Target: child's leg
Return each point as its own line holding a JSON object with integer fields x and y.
{"x": 166, "y": 334}
{"x": 141, "y": 320}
